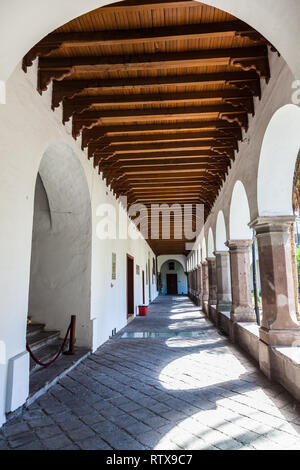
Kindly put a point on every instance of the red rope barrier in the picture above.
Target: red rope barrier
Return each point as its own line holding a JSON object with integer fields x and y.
{"x": 46, "y": 364}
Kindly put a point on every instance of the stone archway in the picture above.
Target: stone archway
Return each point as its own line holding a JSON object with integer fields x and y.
{"x": 277, "y": 163}
{"x": 239, "y": 248}
{"x": 210, "y": 244}
{"x": 239, "y": 214}
{"x": 60, "y": 274}
{"x": 221, "y": 236}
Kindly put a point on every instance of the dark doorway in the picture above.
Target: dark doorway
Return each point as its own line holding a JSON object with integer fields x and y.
{"x": 171, "y": 284}
{"x": 143, "y": 286}
{"x": 130, "y": 285}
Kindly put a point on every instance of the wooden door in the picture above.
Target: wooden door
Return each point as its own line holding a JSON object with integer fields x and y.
{"x": 130, "y": 285}
{"x": 172, "y": 284}
{"x": 143, "y": 286}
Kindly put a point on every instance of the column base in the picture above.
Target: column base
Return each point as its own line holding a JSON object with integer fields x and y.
{"x": 199, "y": 301}
{"x": 265, "y": 364}
{"x": 224, "y": 306}
{"x": 242, "y": 316}
{"x": 205, "y": 306}
{"x": 280, "y": 337}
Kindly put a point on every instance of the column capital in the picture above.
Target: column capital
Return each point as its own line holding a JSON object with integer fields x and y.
{"x": 272, "y": 224}
{"x": 204, "y": 262}
{"x": 211, "y": 259}
{"x": 239, "y": 245}
{"x": 221, "y": 253}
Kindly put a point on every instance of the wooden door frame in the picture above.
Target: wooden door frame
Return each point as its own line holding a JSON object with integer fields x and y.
{"x": 129, "y": 257}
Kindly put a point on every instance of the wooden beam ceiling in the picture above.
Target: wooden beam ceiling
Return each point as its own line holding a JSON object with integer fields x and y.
{"x": 160, "y": 92}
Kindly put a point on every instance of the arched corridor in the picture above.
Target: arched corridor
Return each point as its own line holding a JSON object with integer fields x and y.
{"x": 184, "y": 387}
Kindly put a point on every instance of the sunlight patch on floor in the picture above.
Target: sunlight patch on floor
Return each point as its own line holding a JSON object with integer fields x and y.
{"x": 202, "y": 369}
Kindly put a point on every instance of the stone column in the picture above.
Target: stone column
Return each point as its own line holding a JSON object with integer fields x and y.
{"x": 212, "y": 279}
{"x": 192, "y": 289}
{"x": 199, "y": 284}
{"x": 241, "y": 309}
{"x": 205, "y": 286}
{"x": 279, "y": 322}
{"x": 189, "y": 283}
{"x": 224, "y": 297}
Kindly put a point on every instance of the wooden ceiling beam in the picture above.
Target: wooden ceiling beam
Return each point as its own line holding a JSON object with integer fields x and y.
{"x": 248, "y": 81}
{"x": 164, "y": 187}
{"x": 237, "y": 98}
{"x": 149, "y": 4}
{"x": 209, "y": 155}
{"x": 163, "y": 146}
{"x": 98, "y": 132}
{"x": 168, "y": 167}
{"x": 115, "y": 140}
{"x": 246, "y": 58}
{"x": 61, "y": 41}
{"x": 171, "y": 163}
{"x": 90, "y": 119}
{"x": 172, "y": 189}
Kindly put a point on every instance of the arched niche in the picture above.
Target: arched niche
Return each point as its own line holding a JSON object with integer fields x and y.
{"x": 221, "y": 236}
{"x": 277, "y": 162}
{"x": 239, "y": 214}
{"x": 182, "y": 259}
{"x": 182, "y": 286}
{"x": 210, "y": 244}
{"x": 60, "y": 274}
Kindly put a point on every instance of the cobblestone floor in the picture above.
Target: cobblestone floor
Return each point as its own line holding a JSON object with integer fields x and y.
{"x": 170, "y": 393}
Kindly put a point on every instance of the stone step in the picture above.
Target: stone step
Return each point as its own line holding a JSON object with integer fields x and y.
{"x": 43, "y": 338}
{"x": 46, "y": 353}
{"x": 33, "y": 329}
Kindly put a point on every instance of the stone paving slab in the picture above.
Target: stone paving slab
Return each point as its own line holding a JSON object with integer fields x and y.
{"x": 173, "y": 393}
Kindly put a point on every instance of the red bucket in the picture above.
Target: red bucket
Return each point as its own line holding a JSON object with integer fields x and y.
{"x": 143, "y": 310}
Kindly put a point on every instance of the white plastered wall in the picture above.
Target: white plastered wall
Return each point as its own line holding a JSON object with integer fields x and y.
{"x": 27, "y": 128}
